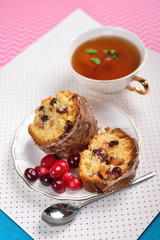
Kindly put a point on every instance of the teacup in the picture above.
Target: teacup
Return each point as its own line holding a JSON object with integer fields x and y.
{"x": 114, "y": 85}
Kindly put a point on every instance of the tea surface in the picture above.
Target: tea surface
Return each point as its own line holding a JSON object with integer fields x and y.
{"x": 108, "y": 69}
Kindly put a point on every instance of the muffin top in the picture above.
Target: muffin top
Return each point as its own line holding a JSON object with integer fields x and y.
{"x": 109, "y": 155}
{"x": 54, "y": 117}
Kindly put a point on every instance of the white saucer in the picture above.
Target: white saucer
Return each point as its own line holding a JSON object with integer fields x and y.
{"x": 26, "y": 154}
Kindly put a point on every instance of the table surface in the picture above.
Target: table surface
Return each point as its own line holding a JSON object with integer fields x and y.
{"x": 23, "y": 22}
{"x": 152, "y": 232}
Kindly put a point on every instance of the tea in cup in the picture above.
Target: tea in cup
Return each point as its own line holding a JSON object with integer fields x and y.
{"x": 107, "y": 59}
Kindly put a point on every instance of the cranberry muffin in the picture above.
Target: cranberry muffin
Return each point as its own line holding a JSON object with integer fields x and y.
{"x": 63, "y": 125}
{"x": 110, "y": 162}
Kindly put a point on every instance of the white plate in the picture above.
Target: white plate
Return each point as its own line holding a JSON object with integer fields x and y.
{"x": 26, "y": 154}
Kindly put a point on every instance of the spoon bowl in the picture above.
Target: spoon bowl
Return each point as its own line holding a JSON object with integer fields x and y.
{"x": 59, "y": 214}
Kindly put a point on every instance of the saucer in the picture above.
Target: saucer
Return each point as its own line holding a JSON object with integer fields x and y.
{"x": 26, "y": 154}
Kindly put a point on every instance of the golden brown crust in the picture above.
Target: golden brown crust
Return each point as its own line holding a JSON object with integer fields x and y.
{"x": 110, "y": 186}
{"x": 95, "y": 183}
{"x": 77, "y": 139}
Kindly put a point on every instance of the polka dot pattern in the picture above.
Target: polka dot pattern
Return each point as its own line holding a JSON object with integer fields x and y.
{"x": 40, "y": 72}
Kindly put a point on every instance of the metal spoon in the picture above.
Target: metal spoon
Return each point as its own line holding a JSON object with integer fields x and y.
{"x": 62, "y": 213}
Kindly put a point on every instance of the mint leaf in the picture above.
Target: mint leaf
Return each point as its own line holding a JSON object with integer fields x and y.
{"x": 106, "y": 51}
{"x": 112, "y": 51}
{"x": 91, "y": 51}
{"x": 116, "y": 56}
{"x": 96, "y": 61}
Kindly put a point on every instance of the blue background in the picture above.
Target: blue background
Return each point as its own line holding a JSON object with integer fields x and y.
{"x": 10, "y": 230}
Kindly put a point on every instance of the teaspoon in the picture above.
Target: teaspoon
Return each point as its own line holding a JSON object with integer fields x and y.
{"x": 62, "y": 213}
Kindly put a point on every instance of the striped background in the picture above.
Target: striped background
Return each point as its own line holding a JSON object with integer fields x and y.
{"x": 22, "y": 22}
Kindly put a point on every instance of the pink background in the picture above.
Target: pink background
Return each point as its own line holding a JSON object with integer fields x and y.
{"x": 23, "y": 22}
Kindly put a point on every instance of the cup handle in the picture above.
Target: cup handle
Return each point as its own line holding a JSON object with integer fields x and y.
{"x": 137, "y": 89}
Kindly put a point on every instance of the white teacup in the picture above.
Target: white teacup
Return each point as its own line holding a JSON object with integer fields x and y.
{"x": 109, "y": 86}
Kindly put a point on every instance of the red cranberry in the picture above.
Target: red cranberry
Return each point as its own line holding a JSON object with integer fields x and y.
{"x": 67, "y": 177}
{"x": 74, "y": 184}
{"x": 53, "y": 101}
{"x": 41, "y": 108}
{"x": 98, "y": 153}
{"x": 41, "y": 170}
{"x": 59, "y": 186}
{"x": 48, "y": 161}
{"x": 31, "y": 174}
{"x": 116, "y": 171}
{"x": 73, "y": 160}
{"x": 56, "y": 172}
{"x": 100, "y": 175}
{"x": 112, "y": 143}
{"x": 46, "y": 180}
{"x": 109, "y": 171}
{"x": 63, "y": 163}
{"x": 44, "y": 118}
{"x": 61, "y": 111}
{"x": 104, "y": 159}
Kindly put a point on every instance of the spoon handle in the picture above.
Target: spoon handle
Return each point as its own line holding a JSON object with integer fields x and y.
{"x": 137, "y": 180}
